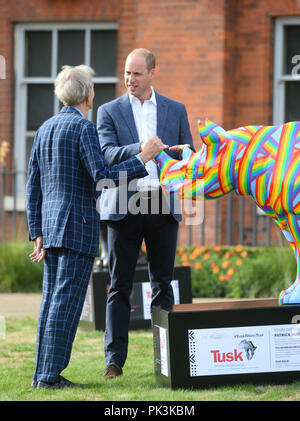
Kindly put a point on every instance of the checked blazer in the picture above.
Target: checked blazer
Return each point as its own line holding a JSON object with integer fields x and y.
{"x": 65, "y": 164}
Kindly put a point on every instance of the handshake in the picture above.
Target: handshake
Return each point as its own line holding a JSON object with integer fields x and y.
{"x": 153, "y": 146}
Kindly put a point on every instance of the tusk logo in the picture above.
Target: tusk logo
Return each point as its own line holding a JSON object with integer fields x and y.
{"x": 222, "y": 357}
{"x": 296, "y": 318}
{"x": 248, "y": 347}
{"x": 226, "y": 356}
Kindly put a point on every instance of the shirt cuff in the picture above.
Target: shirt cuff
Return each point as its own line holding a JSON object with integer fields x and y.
{"x": 140, "y": 159}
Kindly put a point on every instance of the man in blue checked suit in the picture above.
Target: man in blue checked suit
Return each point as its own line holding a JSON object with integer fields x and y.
{"x": 65, "y": 164}
{"x": 144, "y": 213}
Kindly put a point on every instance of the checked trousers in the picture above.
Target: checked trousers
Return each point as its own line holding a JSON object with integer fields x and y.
{"x": 66, "y": 278}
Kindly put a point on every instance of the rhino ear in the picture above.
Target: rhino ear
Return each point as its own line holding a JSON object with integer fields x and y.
{"x": 209, "y": 132}
{"x": 201, "y": 126}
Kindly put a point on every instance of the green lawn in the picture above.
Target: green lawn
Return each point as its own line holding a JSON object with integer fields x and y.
{"x": 87, "y": 366}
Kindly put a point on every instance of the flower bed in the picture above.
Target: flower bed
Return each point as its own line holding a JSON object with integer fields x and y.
{"x": 238, "y": 272}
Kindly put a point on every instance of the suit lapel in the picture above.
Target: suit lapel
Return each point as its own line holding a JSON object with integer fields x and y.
{"x": 162, "y": 111}
{"x": 127, "y": 113}
{"x": 161, "y": 116}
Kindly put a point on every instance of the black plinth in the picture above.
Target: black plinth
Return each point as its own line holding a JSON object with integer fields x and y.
{"x": 251, "y": 341}
{"x": 94, "y": 309}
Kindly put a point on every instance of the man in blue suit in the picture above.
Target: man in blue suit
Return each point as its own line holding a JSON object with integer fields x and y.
{"x": 65, "y": 164}
{"x": 142, "y": 212}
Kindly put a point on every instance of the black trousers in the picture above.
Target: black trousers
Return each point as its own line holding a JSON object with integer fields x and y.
{"x": 159, "y": 231}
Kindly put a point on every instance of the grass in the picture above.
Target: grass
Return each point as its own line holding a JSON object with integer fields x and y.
{"x": 87, "y": 366}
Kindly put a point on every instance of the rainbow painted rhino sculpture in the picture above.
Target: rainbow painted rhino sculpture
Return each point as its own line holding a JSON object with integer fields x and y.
{"x": 260, "y": 161}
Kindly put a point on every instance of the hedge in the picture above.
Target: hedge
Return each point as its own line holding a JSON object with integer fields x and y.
{"x": 17, "y": 272}
{"x": 233, "y": 272}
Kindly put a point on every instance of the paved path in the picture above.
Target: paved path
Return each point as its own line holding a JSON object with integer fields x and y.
{"x": 19, "y": 305}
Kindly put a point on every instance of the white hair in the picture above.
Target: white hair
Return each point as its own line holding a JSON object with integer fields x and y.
{"x": 73, "y": 84}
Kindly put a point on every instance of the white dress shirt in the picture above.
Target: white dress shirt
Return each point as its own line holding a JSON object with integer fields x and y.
{"x": 145, "y": 117}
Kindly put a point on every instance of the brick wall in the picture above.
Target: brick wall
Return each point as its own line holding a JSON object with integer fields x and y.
{"x": 6, "y": 85}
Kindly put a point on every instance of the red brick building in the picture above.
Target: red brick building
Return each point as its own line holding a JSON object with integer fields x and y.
{"x": 228, "y": 60}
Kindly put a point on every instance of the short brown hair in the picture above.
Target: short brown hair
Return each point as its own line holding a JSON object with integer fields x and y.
{"x": 150, "y": 61}
{"x": 149, "y": 57}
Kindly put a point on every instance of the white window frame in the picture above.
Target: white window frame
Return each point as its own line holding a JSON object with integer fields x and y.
{"x": 21, "y": 82}
{"x": 280, "y": 78}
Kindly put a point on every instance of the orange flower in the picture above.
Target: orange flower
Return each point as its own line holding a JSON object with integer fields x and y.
{"x": 198, "y": 265}
{"x": 227, "y": 254}
{"x": 227, "y": 277}
{"x": 243, "y": 254}
{"x": 221, "y": 278}
{"x": 215, "y": 269}
{"x": 239, "y": 262}
{"x": 217, "y": 248}
{"x": 206, "y": 256}
{"x": 230, "y": 271}
{"x": 4, "y": 148}
{"x": 184, "y": 259}
{"x": 180, "y": 251}
{"x": 195, "y": 253}
{"x": 239, "y": 248}
{"x": 226, "y": 264}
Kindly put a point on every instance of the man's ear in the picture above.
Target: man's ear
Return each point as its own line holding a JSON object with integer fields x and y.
{"x": 89, "y": 99}
{"x": 152, "y": 73}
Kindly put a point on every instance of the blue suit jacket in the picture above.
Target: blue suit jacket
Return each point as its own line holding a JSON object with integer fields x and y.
{"x": 119, "y": 141}
{"x": 65, "y": 164}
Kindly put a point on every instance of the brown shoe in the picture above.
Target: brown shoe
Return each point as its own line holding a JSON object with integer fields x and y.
{"x": 112, "y": 371}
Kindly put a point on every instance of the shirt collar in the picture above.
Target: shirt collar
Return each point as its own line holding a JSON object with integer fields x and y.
{"x": 152, "y": 98}
{"x": 75, "y": 108}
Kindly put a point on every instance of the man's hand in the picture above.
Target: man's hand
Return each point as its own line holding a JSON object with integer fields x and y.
{"x": 179, "y": 148}
{"x": 151, "y": 148}
{"x": 39, "y": 253}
